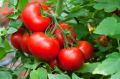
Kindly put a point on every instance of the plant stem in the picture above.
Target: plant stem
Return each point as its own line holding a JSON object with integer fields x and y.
{"x": 57, "y": 26}
{"x": 59, "y": 7}
{"x": 118, "y": 44}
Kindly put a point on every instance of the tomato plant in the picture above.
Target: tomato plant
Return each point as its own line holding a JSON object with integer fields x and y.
{"x": 62, "y": 39}
{"x": 59, "y": 35}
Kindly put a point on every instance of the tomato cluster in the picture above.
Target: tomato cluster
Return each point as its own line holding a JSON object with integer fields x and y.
{"x": 50, "y": 47}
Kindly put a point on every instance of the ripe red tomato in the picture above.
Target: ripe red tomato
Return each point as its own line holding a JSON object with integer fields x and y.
{"x": 42, "y": 46}
{"x": 24, "y": 43}
{"x": 53, "y": 63}
{"x": 32, "y": 18}
{"x": 16, "y": 40}
{"x": 59, "y": 34}
{"x": 70, "y": 59}
{"x": 86, "y": 48}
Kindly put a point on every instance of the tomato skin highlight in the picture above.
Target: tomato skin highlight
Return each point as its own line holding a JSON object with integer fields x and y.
{"x": 70, "y": 59}
{"x": 86, "y": 48}
{"x": 43, "y": 47}
{"x": 59, "y": 34}
{"x": 32, "y": 18}
{"x": 24, "y": 43}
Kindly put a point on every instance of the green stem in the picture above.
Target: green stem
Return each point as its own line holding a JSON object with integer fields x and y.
{"x": 118, "y": 45}
{"x": 55, "y": 21}
{"x": 73, "y": 39}
{"x": 59, "y": 7}
{"x": 57, "y": 26}
{"x": 64, "y": 35}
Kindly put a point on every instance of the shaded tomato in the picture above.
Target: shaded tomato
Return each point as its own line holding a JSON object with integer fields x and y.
{"x": 103, "y": 40}
{"x": 70, "y": 59}
{"x": 116, "y": 12}
{"x": 16, "y": 40}
{"x": 42, "y": 46}
{"x": 24, "y": 43}
{"x": 59, "y": 34}
{"x": 53, "y": 63}
{"x": 21, "y": 30}
{"x": 33, "y": 19}
{"x": 86, "y": 48}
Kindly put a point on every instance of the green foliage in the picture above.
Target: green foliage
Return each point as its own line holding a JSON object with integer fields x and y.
{"x": 109, "y": 66}
{"x": 110, "y": 27}
{"x": 115, "y": 76}
{"x": 74, "y": 76}
{"x": 106, "y": 5}
{"x": 15, "y": 24}
{"x": 22, "y": 4}
{"x": 81, "y": 31}
{"x": 5, "y": 46}
{"x": 58, "y": 76}
{"x": 87, "y": 67}
{"x": 5, "y": 75}
{"x": 13, "y": 3}
{"x": 40, "y": 73}
{"x": 78, "y": 13}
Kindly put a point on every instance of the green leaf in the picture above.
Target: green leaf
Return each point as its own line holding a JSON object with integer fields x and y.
{"x": 81, "y": 31}
{"x": 52, "y": 76}
{"x": 5, "y": 75}
{"x": 3, "y": 31}
{"x": 15, "y": 15}
{"x": 1, "y": 42}
{"x": 81, "y": 12}
{"x": 110, "y": 27}
{"x": 88, "y": 67}
{"x": 15, "y": 24}
{"x": 116, "y": 76}
{"x": 5, "y": 49}
{"x": 106, "y": 5}
{"x": 11, "y": 30}
{"x": 34, "y": 74}
{"x": 63, "y": 76}
{"x": 18, "y": 70}
{"x": 22, "y": 4}
{"x": 12, "y": 3}
{"x": 49, "y": 2}
{"x": 74, "y": 76}
{"x": 7, "y": 46}
{"x": 2, "y": 53}
{"x": 58, "y": 76}
{"x": 109, "y": 66}
{"x": 40, "y": 73}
